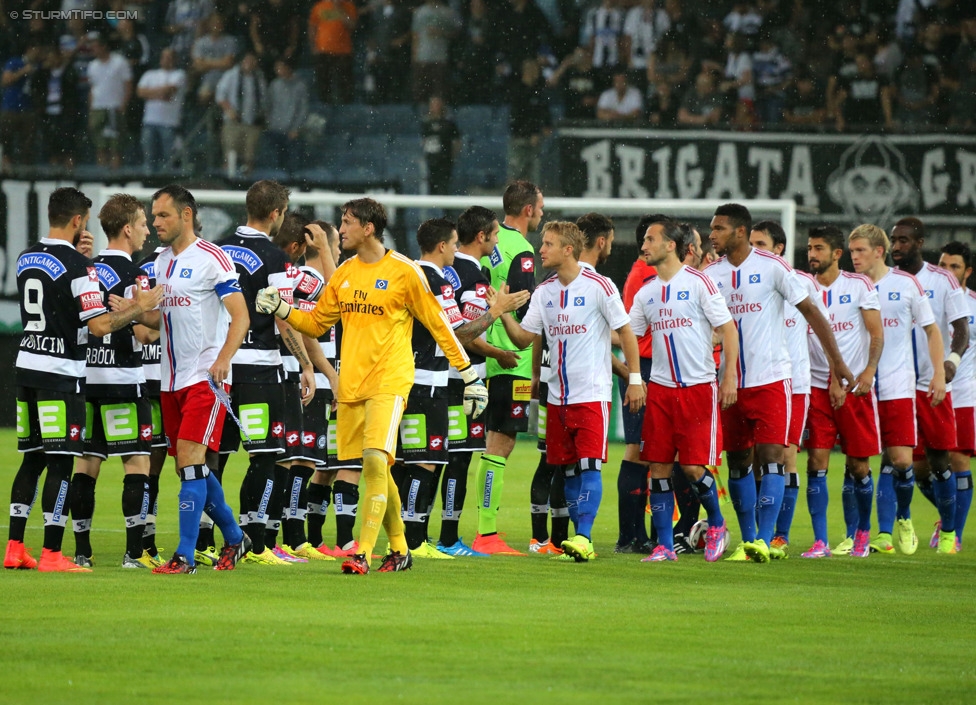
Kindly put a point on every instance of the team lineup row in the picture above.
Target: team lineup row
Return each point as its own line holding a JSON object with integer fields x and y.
{"x": 264, "y": 313}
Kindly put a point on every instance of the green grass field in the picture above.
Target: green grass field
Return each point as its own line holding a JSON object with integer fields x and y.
{"x": 892, "y": 629}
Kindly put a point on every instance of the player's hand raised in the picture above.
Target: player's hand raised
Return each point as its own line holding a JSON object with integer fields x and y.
{"x": 85, "y": 244}
{"x": 269, "y": 300}
{"x": 315, "y": 236}
{"x": 504, "y": 302}
{"x": 475, "y": 392}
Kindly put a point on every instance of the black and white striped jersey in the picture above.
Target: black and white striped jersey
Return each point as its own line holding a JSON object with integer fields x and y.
{"x": 430, "y": 364}
{"x": 59, "y": 293}
{"x": 152, "y": 352}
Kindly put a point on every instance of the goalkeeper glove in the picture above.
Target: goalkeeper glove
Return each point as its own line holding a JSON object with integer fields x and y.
{"x": 475, "y": 392}
{"x": 269, "y": 301}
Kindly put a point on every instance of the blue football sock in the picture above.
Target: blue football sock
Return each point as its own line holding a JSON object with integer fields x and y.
{"x": 944, "y": 489}
{"x": 964, "y": 498}
{"x": 574, "y": 484}
{"x": 849, "y": 503}
{"x": 904, "y": 489}
{"x": 784, "y": 522}
{"x": 742, "y": 490}
{"x": 662, "y": 511}
{"x": 193, "y": 496}
{"x": 817, "y": 500}
{"x": 222, "y": 514}
{"x": 705, "y": 490}
{"x": 864, "y": 494}
{"x": 770, "y": 500}
{"x": 591, "y": 492}
{"x": 887, "y": 500}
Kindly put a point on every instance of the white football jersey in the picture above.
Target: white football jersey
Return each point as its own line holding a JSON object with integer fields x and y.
{"x": 680, "y": 314}
{"x": 903, "y": 304}
{"x": 577, "y": 321}
{"x": 964, "y": 383}
{"x": 796, "y": 334}
{"x": 844, "y": 300}
{"x": 193, "y": 320}
{"x": 755, "y": 293}
{"x": 948, "y": 304}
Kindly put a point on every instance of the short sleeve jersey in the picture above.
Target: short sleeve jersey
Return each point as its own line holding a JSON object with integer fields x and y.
{"x": 948, "y": 304}
{"x": 307, "y": 286}
{"x": 903, "y": 304}
{"x": 470, "y": 291}
{"x": 964, "y": 383}
{"x": 680, "y": 314}
{"x": 430, "y": 365}
{"x": 377, "y": 303}
{"x": 115, "y": 361}
{"x": 755, "y": 293}
{"x": 577, "y": 320}
{"x": 259, "y": 264}
{"x": 796, "y": 335}
{"x": 640, "y": 273}
{"x": 194, "y": 322}
{"x": 59, "y": 293}
{"x": 151, "y": 352}
{"x": 511, "y": 263}
{"x": 844, "y": 301}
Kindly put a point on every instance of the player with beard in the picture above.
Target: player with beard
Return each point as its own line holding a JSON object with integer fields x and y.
{"x": 681, "y": 307}
{"x": 757, "y": 285}
{"x": 769, "y": 235}
{"x": 958, "y": 259}
{"x": 120, "y": 413}
{"x": 903, "y": 303}
{"x": 60, "y": 304}
{"x": 576, "y": 310}
{"x": 852, "y": 304}
{"x": 261, "y": 391}
{"x": 936, "y": 424}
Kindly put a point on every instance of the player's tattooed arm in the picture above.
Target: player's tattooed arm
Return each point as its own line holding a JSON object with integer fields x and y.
{"x": 130, "y": 311}
{"x": 293, "y": 343}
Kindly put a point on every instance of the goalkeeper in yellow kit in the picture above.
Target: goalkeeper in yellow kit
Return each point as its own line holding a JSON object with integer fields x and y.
{"x": 376, "y": 294}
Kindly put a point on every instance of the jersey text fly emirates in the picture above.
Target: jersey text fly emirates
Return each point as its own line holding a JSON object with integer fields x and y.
{"x": 564, "y": 327}
{"x": 170, "y": 301}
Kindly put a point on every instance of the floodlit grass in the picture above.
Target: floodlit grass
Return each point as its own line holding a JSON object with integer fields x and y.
{"x": 499, "y": 630}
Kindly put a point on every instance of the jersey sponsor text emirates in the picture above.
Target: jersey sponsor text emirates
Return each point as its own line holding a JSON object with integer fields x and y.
{"x": 903, "y": 301}
{"x": 194, "y": 322}
{"x": 577, "y": 320}
{"x": 948, "y": 304}
{"x": 755, "y": 293}
{"x": 680, "y": 314}
{"x": 844, "y": 300}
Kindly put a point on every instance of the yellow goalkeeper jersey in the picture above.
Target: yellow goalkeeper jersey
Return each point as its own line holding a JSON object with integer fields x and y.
{"x": 377, "y": 304}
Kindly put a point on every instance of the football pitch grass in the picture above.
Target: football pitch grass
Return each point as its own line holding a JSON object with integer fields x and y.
{"x": 498, "y": 630}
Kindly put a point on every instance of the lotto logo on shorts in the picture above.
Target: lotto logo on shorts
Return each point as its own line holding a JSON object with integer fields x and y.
{"x": 74, "y": 432}
{"x": 308, "y": 440}
{"x": 477, "y": 430}
{"x": 292, "y": 439}
{"x": 145, "y": 433}
{"x": 277, "y": 429}
{"x": 518, "y": 411}
{"x": 436, "y": 442}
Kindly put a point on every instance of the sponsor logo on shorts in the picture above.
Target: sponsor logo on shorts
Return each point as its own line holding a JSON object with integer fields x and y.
{"x": 292, "y": 439}
{"x": 436, "y": 442}
{"x": 308, "y": 440}
{"x": 277, "y": 429}
{"x": 145, "y": 432}
{"x": 477, "y": 430}
{"x": 74, "y": 432}
{"x": 322, "y": 441}
{"x": 518, "y": 411}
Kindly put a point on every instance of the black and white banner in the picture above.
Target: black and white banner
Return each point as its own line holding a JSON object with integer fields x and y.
{"x": 840, "y": 178}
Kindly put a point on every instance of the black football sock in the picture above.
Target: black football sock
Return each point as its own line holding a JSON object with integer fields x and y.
{"x": 149, "y": 530}
{"x": 55, "y": 499}
{"x": 135, "y": 507}
{"x": 417, "y": 491}
{"x": 345, "y": 499}
{"x": 82, "y": 511}
{"x": 260, "y": 492}
{"x": 24, "y": 492}
{"x": 296, "y": 505}
{"x": 559, "y": 508}
{"x": 276, "y": 505}
{"x": 454, "y": 488}
{"x": 432, "y": 498}
{"x": 317, "y": 508}
{"x": 687, "y": 501}
{"x": 539, "y": 499}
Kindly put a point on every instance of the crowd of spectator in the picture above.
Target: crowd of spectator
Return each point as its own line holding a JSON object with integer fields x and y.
{"x": 260, "y": 66}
